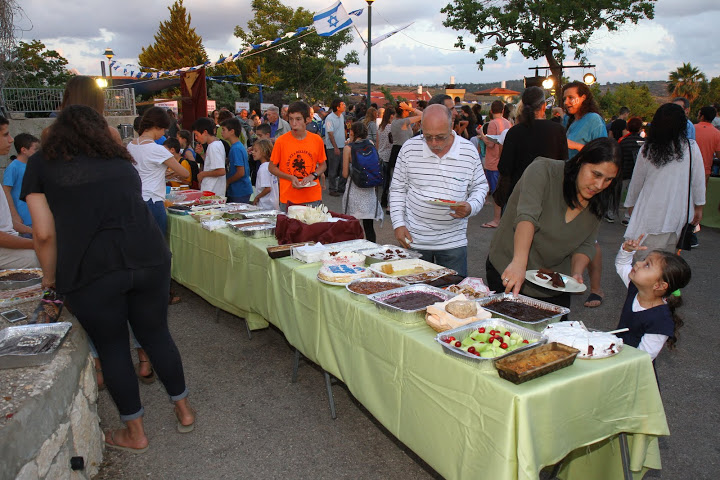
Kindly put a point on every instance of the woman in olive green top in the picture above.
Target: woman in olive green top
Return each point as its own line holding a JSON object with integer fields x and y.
{"x": 552, "y": 220}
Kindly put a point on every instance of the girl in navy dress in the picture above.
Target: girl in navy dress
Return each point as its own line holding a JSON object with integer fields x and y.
{"x": 649, "y": 310}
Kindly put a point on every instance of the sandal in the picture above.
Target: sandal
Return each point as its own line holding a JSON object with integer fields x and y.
{"x": 488, "y": 225}
{"x": 146, "y": 379}
{"x": 112, "y": 444}
{"x": 185, "y": 428}
{"x": 593, "y": 297}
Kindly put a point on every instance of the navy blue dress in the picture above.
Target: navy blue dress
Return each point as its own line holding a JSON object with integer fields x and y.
{"x": 656, "y": 320}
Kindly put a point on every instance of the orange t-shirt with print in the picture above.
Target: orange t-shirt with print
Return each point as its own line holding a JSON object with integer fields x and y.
{"x": 299, "y": 158}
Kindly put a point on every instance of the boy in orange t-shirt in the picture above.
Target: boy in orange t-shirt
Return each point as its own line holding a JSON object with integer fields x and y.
{"x": 298, "y": 159}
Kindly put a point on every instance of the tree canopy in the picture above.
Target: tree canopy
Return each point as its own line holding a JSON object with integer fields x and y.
{"x": 176, "y": 43}
{"x": 686, "y": 82}
{"x": 540, "y": 28}
{"x": 306, "y": 64}
{"x": 31, "y": 65}
{"x": 636, "y": 97}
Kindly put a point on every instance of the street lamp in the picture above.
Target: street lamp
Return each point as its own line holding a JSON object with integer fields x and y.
{"x": 589, "y": 78}
{"x": 369, "y": 40}
{"x": 109, "y": 54}
{"x": 101, "y": 82}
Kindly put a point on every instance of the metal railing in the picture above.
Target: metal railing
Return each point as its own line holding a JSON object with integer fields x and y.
{"x": 118, "y": 101}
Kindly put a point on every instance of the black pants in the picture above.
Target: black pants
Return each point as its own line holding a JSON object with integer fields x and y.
{"x": 388, "y": 173}
{"x": 104, "y": 309}
{"x": 495, "y": 283}
{"x": 369, "y": 229}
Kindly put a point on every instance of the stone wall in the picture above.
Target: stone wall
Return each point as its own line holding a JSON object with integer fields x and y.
{"x": 53, "y": 417}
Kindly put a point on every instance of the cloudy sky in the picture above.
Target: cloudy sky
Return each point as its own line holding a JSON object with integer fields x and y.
{"x": 421, "y": 55}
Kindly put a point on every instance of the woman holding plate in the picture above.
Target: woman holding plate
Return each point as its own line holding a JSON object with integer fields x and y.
{"x": 552, "y": 220}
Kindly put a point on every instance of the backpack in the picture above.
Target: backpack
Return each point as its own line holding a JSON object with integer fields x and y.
{"x": 366, "y": 167}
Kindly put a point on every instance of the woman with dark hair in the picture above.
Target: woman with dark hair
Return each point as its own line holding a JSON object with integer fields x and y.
{"x": 552, "y": 219}
{"x": 657, "y": 197}
{"x": 361, "y": 203}
{"x": 530, "y": 138}
{"x": 108, "y": 257}
{"x": 584, "y": 124}
{"x": 472, "y": 120}
{"x": 153, "y": 160}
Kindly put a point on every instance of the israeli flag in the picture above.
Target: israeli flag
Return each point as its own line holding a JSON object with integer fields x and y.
{"x": 332, "y": 20}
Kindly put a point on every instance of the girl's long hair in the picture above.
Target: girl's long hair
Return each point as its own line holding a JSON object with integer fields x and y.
{"x": 676, "y": 273}
{"x": 667, "y": 137}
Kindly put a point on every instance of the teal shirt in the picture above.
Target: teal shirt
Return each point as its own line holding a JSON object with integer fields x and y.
{"x": 589, "y": 127}
{"x": 13, "y": 178}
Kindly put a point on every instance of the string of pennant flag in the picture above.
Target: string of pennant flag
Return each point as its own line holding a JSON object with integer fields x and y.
{"x": 326, "y": 23}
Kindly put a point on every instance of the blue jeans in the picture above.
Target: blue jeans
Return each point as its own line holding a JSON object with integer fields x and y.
{"x": 454, "y": 258}
{"x": 243, "y": 199}
{"x": 157, "y": 209}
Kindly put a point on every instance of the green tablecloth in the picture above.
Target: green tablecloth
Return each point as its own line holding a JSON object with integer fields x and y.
{"x": 711, "y": 215}
{"x": 463, "y": 422}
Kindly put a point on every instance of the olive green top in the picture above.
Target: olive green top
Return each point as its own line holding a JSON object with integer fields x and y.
{"x": 538, "y": 199}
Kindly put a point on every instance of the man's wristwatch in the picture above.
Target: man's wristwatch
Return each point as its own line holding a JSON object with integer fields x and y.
{"x": 315, "y": 175}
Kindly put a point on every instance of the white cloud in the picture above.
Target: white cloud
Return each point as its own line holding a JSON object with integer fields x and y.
{"x": 679, "y": 33}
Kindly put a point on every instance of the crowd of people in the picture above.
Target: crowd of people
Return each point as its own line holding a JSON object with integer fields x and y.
{"x": 551, "y": 175}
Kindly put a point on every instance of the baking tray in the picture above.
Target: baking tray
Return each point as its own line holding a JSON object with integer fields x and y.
{"x": 178, "y": 210}
{"x": 486, "y": 363}
{"x": 400, "y": 314}
{"x": 432, "y": 271}
{"x": 381, "y": 254}
{"x": 506, "y": 372}
{"x": 15, "y": 284}
{"x": 11, "y": 334}
{"x": 257, "y": 231}
{"x": 261, "y": 214}
{"x": 239, "y": 207}
{"x": 373, "y": 279}
{"x": 207, "y": 215}
{"x": 537, "y": 325}
{"x": 280, "y": 251}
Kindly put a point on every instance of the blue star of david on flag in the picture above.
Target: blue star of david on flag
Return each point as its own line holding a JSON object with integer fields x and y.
{"x": 332, "y": 20}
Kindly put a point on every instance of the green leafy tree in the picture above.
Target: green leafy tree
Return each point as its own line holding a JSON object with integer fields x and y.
{"x": 224, "y": 94}
{"x": 540, "y": 28}
{"x": 306, "y": 64}
{"x": 709, "y": 95}
{"x": 686, "y": 82}
{"x": 34, "y": 66}
{"x": 176, "y": 43}
{"x": 636, "y": 97}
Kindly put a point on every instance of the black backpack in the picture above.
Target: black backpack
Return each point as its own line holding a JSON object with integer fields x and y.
{"x": 366, "y": 167}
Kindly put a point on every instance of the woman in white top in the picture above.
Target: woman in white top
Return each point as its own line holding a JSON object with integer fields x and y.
{"x": 657, "y": 197}
{"x": 152, "y": 162}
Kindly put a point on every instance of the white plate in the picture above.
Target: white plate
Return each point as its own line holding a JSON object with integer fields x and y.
{"x": 449, "y": 203}
{"x": 571, "y": 285}
{"x": 311, "y": 184}
{"x": 600, "y": 357}
{"x": 338, "y": 284}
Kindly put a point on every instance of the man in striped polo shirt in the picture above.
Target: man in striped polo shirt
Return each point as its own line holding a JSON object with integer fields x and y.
{"x": 437, "y": 165}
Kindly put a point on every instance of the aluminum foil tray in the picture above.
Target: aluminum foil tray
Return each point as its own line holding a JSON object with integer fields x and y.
{"x": 238, "y": 225}
{"x": 537, "y": 325}
{"x": 44, "y": 341}
{"x": 403, "y": 315}
{"x": 257, "y": 231}
{"x": 15, "y": 284}
{"x": 379, "y": 254}
{"x": 261, "y": 214}
{"x": 360, "y": 281}
{"x": 480, "y": 362}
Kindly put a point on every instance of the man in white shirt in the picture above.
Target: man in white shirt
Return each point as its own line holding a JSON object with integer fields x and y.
{"x": 212, "y": 177}
{"x": 334, "y": 144}
{"x": 438, "y": 165}
{"x": 15, "y": 251}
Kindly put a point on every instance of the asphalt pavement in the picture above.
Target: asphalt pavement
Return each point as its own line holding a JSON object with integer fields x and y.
{"x": 253, "y": 423}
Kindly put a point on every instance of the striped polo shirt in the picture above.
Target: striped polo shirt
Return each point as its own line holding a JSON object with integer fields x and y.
{"x": 421, "y": 176}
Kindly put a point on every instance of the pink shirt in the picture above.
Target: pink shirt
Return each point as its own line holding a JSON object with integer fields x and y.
{"x": 492, "y": 152}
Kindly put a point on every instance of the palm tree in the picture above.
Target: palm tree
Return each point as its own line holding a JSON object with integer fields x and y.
{"x": 686, "y": 82}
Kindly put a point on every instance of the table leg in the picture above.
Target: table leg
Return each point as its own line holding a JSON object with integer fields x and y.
{"x": 625, "y": 456}
{"x": 331, "y": 399}
{"x": 247, "y": 327}
{"x": 217, "y": 314}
